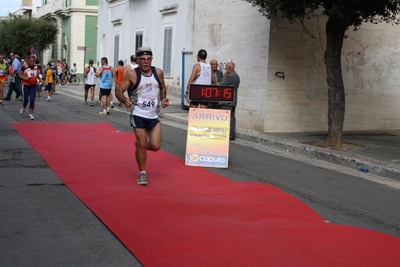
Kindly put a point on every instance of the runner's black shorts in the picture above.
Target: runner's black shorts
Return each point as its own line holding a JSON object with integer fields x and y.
{"x": 87, "y": 86}
{"x": 105, "y": 92}
{"x": 48, "y": 87}
{"x": 143, "y": 123}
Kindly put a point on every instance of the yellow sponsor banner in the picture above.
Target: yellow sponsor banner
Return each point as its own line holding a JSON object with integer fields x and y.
{"x": 207, "y": 142}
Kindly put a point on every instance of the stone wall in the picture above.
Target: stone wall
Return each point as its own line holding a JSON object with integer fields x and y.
{"x": 233, "y": 30}
{"x": 370, "y": 64}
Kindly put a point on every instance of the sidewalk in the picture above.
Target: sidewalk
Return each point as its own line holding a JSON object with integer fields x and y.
{"x": 379, "y": 151}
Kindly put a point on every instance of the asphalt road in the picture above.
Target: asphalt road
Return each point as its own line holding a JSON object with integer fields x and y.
{"x": 42, "y": 223}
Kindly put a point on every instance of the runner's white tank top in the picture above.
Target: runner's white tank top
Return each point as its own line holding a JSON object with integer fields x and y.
{"x": 145, "y": 98}
{"x": 133, "y": 66}
{"x": 204, "y": 76}
{"x": 90, "y": 76}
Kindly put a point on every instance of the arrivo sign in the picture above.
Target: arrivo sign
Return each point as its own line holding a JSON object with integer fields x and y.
{"x": 199, "y": 92}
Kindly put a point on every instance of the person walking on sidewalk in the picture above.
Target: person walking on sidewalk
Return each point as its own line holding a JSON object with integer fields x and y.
{"x": 15, "y": 82}
{"x": 149, "y": 92}
{"x": 105, "y": 73}
{"x": 49, "y": 80}
{"x": 29, "y": 75}
{"x": 90, "y": 82}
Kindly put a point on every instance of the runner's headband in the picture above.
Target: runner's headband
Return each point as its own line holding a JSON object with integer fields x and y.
{"x": 141, "y": 53}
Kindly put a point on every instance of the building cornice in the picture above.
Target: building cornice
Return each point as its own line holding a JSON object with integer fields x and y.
{"x": 171, "y": 9}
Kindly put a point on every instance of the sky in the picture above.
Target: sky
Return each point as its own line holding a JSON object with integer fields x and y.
{"x": 9, "y": 6}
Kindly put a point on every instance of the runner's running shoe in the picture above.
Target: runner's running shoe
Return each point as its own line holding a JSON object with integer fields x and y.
{"x": 142, "y": 179}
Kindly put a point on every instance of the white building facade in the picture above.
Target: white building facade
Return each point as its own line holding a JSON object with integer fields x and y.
{"x": 283, "y": 78}
{"x": 165, "y": 26}
{"x": 77, "y": 23}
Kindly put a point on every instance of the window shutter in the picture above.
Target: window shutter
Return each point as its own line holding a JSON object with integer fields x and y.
{"x": 116, "y": 50}
{"x": 167, "y": 59}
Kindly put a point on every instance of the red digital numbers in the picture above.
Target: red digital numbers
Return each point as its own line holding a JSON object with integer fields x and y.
{"x": 209, "y": 92}
{"x": 215, "y": 93}
{"x": 228, "y": 93}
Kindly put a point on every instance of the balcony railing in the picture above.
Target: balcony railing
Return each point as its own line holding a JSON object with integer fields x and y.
{"x": 52, "y": 7}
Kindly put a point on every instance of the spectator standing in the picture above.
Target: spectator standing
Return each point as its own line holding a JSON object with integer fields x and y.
{"x": 59, "y": 73}
{"x": 49, "y": 80}
{"x": 201, "y": 74}
{"x": 231, "y": 78}
{"x": 73, "y": 70}
{"x": 15, "y": 82}
{"x": 216, "y": 72}
{"x": 3, "y": 77}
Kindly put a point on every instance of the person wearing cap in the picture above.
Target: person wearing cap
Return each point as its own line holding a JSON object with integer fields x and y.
{"x": 90, "y": 82}
{"x": 149, "y": 93}
{"x": 201, "y": 74}
{"x": 105, "y": 73}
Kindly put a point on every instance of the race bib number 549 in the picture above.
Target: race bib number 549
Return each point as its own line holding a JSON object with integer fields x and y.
{"x": 148, "y": 104}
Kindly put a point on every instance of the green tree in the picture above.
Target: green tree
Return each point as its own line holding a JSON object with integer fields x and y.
{"x": 340, "y": 14}
{"x": 18, "y": 34}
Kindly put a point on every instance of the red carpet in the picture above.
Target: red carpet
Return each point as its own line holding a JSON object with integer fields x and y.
{"x": 189, "y": 216}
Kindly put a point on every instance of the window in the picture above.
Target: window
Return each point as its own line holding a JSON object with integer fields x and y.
{"x": 138, "y": 40}
{"x": 116, "y": 50}
{"x": 167, "y": 58}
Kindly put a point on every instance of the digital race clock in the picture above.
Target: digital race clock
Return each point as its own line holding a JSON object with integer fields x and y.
{"x": 199, "y": 92}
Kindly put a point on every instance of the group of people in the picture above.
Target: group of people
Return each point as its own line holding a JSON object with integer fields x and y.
{"x": 106, "y": 75}
{"x": 207, "y": 74}
{"x": 26, "y": 79}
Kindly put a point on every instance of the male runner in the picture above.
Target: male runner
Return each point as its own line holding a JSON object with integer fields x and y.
{"x": 149, "y": 92}
{"x": 90, "y": 82}
{"x": 201, "y": 74}
{"x": 105, "y": 73}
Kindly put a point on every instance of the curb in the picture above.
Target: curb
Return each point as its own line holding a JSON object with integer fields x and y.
{"x": 375, "y": 167}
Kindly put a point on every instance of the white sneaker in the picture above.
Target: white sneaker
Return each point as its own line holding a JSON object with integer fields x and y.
{"x": 22, "y": 110}
{"x": 51, "y": 99}
{"x": 112, "y": 104}
{"x": 48, "y": 98}
{"x": 85, "y": 102}
{"x": 103, "y": 113}
{"x": 91, "y": 103}
{"x": 31, "y": 117}
{"x": 108, "y": 110}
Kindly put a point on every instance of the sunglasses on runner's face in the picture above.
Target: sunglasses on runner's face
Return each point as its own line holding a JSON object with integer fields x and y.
{"x": 145, "y": 58}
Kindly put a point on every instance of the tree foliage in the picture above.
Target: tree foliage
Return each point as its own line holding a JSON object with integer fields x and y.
{"x": 18, "y": 34}
{"x": 340, "y": 14}
{"x": 351, "y": 12}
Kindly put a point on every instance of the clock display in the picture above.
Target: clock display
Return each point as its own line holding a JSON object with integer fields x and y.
{"x": 199, "y": 92}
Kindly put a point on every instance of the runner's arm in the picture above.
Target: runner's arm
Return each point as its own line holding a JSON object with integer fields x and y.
{"x": 163, "y": 89}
